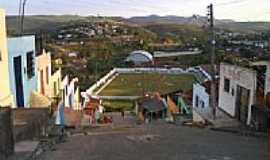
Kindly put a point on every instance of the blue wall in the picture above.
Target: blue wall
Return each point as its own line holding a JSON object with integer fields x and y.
{"x": 19, "y": 46}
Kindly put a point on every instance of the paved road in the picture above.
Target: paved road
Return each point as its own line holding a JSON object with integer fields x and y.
{"x": 160, "y": 142}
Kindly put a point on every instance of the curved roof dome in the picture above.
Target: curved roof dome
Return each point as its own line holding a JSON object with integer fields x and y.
{"x": 140, "y": 56}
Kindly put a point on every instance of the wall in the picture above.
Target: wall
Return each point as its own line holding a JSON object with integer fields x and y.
{"x": 19, "y": 46}
{"x": 196, "y": 117}
{"x": 238, "y": 76}
{"x": 64, "y": 89}
{"x": 6, "y": 98}
{"x": 267, "y": 80}
{"x": 70, "y": 95}
{"x": 77, "y": 99}
{"x": 69, "y": 91}
{"x": 35, "y": 120}
{"x": 55, "y": 79}
{"x": 6, "y": 134}
{"x": 160, "y": 54}
{"x": 44, "y": 62}
{"x": 200, "y": 91}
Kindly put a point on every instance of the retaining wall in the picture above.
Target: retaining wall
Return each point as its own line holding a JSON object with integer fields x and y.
{"x": 6, "y": 133}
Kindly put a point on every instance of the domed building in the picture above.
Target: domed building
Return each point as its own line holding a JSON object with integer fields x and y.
{"x": 140, "y": 57}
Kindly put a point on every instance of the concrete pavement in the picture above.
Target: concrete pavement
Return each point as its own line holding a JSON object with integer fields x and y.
{"x": 161, "y": 141}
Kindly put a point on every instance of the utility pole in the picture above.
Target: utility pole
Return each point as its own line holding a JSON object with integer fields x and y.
{"x": 21, "y": 15}
{"x": 210, "y": 16}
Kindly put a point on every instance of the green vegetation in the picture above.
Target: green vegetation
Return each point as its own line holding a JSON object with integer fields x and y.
{"x": 52, "y": 22}
{"x": 138, "y": 84}
{"x": 246, "y": 27}
{"x": 37, "y": 23}
{"x": 181, "y": 34}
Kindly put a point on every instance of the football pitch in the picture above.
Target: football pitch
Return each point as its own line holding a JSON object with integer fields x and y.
{"x": 138, "y": 84}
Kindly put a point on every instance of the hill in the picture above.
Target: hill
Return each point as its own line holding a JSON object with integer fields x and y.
{"x": 183, "y": 32}
{"x": 202, "y": 21}
{"x": 47, "y": 23}
{"x": 51, "y": 22}
{"x": 193, "y": 20}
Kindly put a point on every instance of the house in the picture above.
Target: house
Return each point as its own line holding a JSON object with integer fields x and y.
{"x": 44, "y": 73}
{"x": 64, "y": 89}
{"x": 6, "y": 96}
{"x": 22, "y": 69}
{"x": 260, "y": 111}
{"x": 151, "y": 107}
{"x": 263, "y": 69}
{"x": 77, "y": 99}
{"x": 237, "y": 91}
{"x": 68, "y": 92}
{"x": 201, "y": 99}
{"x": 55, "y": 85}
{"x": 201, "y": 96}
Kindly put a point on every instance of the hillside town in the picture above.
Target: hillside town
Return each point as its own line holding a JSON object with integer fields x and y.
{"x": 105, "y": 89}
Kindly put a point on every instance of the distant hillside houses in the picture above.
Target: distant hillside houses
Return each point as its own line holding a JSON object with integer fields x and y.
{"x": 260, "y": 44}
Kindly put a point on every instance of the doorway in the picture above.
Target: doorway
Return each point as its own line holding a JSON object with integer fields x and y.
{"x": 17, "y": 62}
{"x": 242, "y": 103}
{"x": 42, "y": 82}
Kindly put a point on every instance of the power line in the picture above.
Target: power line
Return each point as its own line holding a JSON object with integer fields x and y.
{"x": 233, "y": 2}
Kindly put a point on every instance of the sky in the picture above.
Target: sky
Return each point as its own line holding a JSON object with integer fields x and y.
{"x": 239, "y": 10}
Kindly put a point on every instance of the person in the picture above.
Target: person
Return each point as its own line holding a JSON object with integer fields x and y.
{"x": 123, "y": 114}
{"x": 268, "y": 100}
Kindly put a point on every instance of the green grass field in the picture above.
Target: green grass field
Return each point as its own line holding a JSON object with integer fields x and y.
{"x": 137, "y": 84}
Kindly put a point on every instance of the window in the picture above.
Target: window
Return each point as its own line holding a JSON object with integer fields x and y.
{"x": 30, "y": 64}
{"x": 66, "y": 89}
{"x": 54, "y": 89}
{"x": 47, "y": 75}
{"x": 197, "y": 101}
{"x": 226, "y": 85}
{"x": 203, "y": 105}
{"x": 58, "y": 84}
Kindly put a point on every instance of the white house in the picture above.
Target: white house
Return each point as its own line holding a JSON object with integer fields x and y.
{"x": 237, "y": 91}
{"x": 69, "y": 92}
{"x": 44, "y": 68}
{"x": 201, "y": 97}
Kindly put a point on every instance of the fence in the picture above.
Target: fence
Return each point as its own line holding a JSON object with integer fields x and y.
{"x": 151, "y": 70}
{"x": 102, "y": 81}
{"x": 6, "y": 133}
